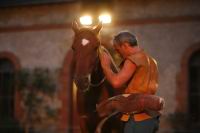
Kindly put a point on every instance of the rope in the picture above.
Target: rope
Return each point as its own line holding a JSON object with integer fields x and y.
{"x": 103, "y": 49}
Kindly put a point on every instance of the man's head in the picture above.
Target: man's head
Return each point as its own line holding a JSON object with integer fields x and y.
{"x": 124, "y": 42}
{"x": 125, "y": 37}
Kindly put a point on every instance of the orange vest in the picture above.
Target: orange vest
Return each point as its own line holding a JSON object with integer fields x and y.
{"x": 144, "y": 80}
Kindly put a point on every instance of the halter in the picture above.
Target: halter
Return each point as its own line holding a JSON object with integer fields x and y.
{"x": 90, "y": 84}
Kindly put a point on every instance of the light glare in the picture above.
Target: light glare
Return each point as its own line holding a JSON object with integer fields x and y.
{"x": 86, "y": 20}
{"x": 105, "y": 18}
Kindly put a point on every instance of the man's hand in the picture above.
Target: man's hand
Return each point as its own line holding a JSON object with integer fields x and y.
{"x": 105, "y": 59}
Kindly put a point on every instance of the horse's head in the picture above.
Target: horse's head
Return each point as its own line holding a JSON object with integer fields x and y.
{"x": 85, "y": 46}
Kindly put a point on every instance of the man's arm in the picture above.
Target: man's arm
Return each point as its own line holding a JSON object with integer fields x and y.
{"x": 117, "y": 80}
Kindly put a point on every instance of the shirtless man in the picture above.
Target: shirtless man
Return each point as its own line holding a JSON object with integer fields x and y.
{"x": 139, "y": 72}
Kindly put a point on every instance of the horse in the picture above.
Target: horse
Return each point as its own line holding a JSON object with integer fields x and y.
{"x": 95, "y": 96}
{"x": 92, "y": 88}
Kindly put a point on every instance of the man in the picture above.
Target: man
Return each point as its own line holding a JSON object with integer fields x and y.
{"x": 139, "y": 72}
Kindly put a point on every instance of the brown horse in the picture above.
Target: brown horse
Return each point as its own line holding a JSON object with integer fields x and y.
{"x": 92, "y": 88}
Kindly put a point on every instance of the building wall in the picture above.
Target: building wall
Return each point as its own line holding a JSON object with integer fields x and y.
{"x": 45, "y": 48}
{"x": 156, "y": 8}
{"x": 40, "y": 36}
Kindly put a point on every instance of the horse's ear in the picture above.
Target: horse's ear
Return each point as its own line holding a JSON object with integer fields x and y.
{"x": 98, "y": 28}
{"x": 75, "y": 26}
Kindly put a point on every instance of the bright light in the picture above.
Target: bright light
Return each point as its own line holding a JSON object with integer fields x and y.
{"x": 105, "y": 18}
{"x": 86, "y": 20}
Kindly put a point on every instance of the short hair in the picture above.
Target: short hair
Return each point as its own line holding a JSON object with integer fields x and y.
{"x": 123, "y": 37}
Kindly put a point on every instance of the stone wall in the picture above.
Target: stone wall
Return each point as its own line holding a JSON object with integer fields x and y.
{"x": 40, "y": 36}
{"x": 38, "y": 48}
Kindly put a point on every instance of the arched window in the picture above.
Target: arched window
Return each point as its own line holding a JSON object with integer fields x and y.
{"x": 6, "y": 93}
{"x": 194, "y": 87}
{"x": 6, "y": 89}
{"x": 9, "y": 100}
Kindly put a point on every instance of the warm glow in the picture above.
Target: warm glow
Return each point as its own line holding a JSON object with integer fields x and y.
{"x": 105, "y": 18}
{"x": 86, "y": 20}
